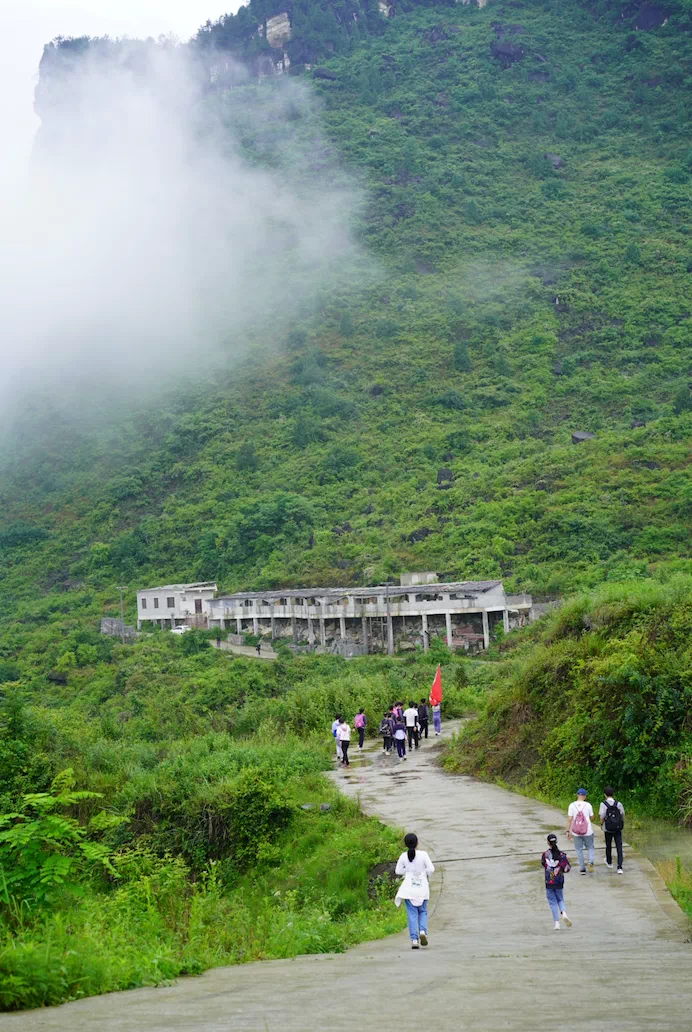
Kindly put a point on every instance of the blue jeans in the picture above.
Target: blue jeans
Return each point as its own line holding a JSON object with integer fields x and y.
{"x": 556, "y": 900}
{"x": 417, "y": 918}
{"x": 579, "y": 842}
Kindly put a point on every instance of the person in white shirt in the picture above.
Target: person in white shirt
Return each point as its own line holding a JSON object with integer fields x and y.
{"x": 415, "y": 866}
{"x": 343, "y": 735}
{"x": 580, "y": 828}
{"x": 412, "y": 725}
{"x": 335, "y": 728}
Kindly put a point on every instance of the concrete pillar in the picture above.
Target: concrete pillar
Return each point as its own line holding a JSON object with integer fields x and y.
{"x": 365, "y": 633}
{"x": 505, "y": 620}
{"x": 323, "y": 632}
{"x": 139, "y": 625}
{"x": 390, "y": 636}
{"x": 342, "y": 626}
{"x": 294, "y": 629}
{"x": 311, "y": 633}
{"x": 486, "y": 630}
{"x": 273, "y": 627}
{"x": 255, "y": 625}
{"x": 424, "y": 619}
{"x": 238, "y": 625}
{"x": 448, "y": 619}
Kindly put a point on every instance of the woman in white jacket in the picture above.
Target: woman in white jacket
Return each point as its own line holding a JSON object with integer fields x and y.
{"x": 415, "y": 866}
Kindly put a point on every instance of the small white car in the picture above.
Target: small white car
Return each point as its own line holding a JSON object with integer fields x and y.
{"x": 180, "y": 630}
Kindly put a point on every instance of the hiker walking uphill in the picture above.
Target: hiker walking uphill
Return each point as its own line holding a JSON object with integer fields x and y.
{"x": 360, "y": 722}
{"x": 335, "y": 729}
{"x": 423, "y": 718}
{"x": 612, "y": 816}
{"x": 411, "y": 720}
{"x": 343, "y": 734}
{"x": 399, "y": 730}
{"x": 415, "y": 866}
{"x": 580, "y": 828}
{"x": 387, "y": 732}
{"x": 556, "y": 866}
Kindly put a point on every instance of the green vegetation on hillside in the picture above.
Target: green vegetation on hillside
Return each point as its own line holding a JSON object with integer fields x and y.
{"x": 151, "y": 819}
{"x": 516, "y": 303}
{"x": 423, "y": 421}
{"x": 599, "y": 692}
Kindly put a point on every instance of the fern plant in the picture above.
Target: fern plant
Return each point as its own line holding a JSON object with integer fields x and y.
{"x": 44, "y": 851}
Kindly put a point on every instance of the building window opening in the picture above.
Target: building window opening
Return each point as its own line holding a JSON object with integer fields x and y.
{"x": 170, "y": 602}
{"x": 156, "y": 603}
{"x": 144, "y": 603}
{"x": 198, "y": 605}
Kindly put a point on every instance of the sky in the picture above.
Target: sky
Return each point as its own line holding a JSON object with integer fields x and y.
{"x": 26, "y": 25}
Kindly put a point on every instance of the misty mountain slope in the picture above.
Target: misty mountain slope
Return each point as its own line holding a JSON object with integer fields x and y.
{"x": 425, "y": 419}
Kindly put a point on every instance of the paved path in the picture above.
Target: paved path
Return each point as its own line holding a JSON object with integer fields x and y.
{"x": 247, "y": 650}
{"x": 494, "y": 961}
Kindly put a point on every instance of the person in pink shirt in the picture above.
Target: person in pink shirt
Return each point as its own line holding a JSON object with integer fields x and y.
{"x": 360, "y": 723}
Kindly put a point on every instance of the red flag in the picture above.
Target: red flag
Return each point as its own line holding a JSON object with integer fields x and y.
{"x": 436, "y": 690}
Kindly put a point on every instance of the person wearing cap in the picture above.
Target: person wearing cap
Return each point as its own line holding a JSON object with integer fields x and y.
{"x": 556, "y": 866}
{"x": 580, "y": 828}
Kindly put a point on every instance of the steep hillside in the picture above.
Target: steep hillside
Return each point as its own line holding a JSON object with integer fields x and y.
{"x": 426, "y": 421}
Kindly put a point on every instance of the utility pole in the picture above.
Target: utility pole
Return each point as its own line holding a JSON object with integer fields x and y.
{"x": 390, "y": 629}
{"x": 122, "y": 615}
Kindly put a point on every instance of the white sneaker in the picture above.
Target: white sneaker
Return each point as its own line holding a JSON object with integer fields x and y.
{"x": 557, "y": 926}
{"x": 620, "y": 870}
{"x": 414, "y": 944}
{"x": 608, "y": 864}
{"x": 566, "y": 919}
{"x": 423, "y": 938}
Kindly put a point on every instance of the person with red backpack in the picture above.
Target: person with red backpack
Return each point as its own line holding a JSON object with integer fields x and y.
{"x": 612, "y": 817}
{"x": 580, "y": 828}
{"x": 556, "y": 866}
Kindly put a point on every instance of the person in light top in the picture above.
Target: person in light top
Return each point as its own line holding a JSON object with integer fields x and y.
{"x": 343, "y": 734}
{"x": 580, "y": 828}
{"x": 412, "y": 727}
{"x": 415, "y": 866}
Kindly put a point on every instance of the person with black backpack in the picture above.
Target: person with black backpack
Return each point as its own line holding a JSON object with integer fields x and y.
{"x": 612, "y": 815}
{"x": 387, "y": 732}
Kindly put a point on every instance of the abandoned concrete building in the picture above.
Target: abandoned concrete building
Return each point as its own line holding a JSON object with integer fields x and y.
{"x": 353, "y": 621}
{"x": 175, "y": 605}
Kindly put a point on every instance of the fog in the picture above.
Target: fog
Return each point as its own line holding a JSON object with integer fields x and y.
{"x": 143, "y": 244}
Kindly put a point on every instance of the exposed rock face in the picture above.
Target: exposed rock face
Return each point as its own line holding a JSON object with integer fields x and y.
{"x": 420, "y": 534}
{"x": 507, "y": 53}
{"x": 650, "y": 17}
{"x": 278, "y": 30}
{"x": 324, "y": 73}
{"x": 445, "y": 478}
{"x": 555, "y": 159}
{"x": 582, "y": 435}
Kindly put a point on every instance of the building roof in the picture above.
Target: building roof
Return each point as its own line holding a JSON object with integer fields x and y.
{"x": 201, "y": 585}
{"x": 471, "y": 588}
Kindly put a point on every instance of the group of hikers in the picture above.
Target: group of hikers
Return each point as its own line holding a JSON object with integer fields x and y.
{"x": 397, "y": 727}
{"x": 580, "y": 815}
{"x": 415, "y": 866}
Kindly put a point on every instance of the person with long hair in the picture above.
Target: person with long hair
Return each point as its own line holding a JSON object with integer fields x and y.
{"x": 414, "y": 865}
{"x": 556, "y": 866}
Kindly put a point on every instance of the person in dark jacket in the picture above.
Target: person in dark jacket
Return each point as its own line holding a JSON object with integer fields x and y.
{"x": 387, "y": 732}
{"x": 556, "y": 866}
{"x": 423, "y": 718}
{"x": 399, "y": 730}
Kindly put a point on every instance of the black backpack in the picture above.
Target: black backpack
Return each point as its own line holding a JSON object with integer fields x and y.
{"x": 613, "y": 817}
{"x": 386, "y": 728}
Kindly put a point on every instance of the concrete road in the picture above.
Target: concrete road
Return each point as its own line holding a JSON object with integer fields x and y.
{"x": 494, "y": 961}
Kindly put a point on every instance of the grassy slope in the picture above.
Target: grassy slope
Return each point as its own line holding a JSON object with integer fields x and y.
{"x": 476, "y": 234}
